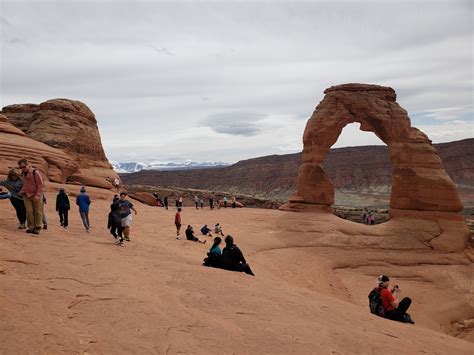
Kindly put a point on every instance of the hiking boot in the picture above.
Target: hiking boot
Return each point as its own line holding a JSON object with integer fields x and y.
{"x": 45, "y": 226}
{"x": 36, "y": 231}
{"x": 407, "y": 319}
{"x": 127, "y": 239}
{"x": 29, "y": 230}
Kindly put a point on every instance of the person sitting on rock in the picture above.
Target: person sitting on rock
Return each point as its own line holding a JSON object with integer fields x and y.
{"x": 392, "y": 308}
{"x": 233, "y": 259}
{"x": 218, "y": 229}
{"x": 214, "y": 254}
{"x": 206, "y": 231}
{"x": 190, "y": 235}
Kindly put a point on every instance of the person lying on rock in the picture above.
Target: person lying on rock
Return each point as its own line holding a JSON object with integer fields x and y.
{"x": 233, "y": 259}
{"x": 385, "y": 303}
{"x": 190, "y": 235}
{"x": 206, "y": 231}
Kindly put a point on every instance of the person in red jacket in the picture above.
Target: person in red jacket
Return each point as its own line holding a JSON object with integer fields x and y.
{"x": 177, "y": 222}
{"x": 394, "y": 309}
{"x": 32, "y": 192}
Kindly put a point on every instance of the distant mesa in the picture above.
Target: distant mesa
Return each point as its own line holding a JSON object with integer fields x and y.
{"x": 421, "y": 187}
{"x": 60, "y": 137}
{"x": 132, "y": 167}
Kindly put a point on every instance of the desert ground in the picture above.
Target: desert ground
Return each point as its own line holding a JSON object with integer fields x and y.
{"x": 67, "y": 291}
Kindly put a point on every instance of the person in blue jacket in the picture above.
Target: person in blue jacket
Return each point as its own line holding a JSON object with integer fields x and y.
{"x": 83, "y": 201}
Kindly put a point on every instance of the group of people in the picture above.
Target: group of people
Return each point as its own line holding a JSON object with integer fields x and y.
{"x": 25, "y": 187}
{"x": 368, "y": 217}
{"x": 230, "y": 258}
{"x": 198, "y": 202}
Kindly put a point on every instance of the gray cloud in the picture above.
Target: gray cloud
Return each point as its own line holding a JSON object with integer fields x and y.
{"x": 234, "y": 123}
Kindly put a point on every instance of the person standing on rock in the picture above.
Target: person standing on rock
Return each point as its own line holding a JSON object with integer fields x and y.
{"x": 14, "y": 184}
{"x": 117, "y": 183}
{"x": 165, "y": 201}
{"x": 126, "y": 208}
{"x": 180, "y": 201}
{"x": 63, "y": 207}
{"x": 201, "y": 202}
{"x": 225, "y": 201}
{"x": 83, "y": 201}
{"x": 196, "y": 201}
{"x": 211, "y": 202}
{"x": 32, "y": 192}
{"x": 177, "y": 222}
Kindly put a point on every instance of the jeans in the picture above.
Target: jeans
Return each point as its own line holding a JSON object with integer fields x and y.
{"x": 20, "y": 209}
{"x": 85, "y": 219}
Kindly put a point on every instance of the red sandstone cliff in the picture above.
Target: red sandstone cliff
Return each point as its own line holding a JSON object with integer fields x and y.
{"x": 69, "y": 129}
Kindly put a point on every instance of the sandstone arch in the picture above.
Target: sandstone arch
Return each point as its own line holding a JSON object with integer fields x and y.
{"x": 421, "y": 186}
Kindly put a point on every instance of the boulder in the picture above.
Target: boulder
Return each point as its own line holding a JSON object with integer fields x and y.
{"x": 69, "y": 126}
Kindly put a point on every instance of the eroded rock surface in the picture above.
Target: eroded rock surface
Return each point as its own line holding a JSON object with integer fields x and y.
{"x": 71, "y": 127}
{"x": 14, "y": 145}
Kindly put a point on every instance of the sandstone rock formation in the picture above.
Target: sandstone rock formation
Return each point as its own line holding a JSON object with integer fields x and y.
{"x": 69, "y": 126}
{"x": 420, "y": 182}
{"x": 55, "y": 165}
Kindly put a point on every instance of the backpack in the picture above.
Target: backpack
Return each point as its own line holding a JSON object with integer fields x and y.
{"x": 375, "y": 302}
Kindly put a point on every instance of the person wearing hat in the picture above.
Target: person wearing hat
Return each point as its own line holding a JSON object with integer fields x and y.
{"x": 63, "y": 207}
{"x": 394, "y": 309}
{"x": 83, "y": 201}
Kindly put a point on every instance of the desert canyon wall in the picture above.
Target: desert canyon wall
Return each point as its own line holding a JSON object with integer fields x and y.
{"x": 61, "y": 139}
{"x": 421, "y": 187}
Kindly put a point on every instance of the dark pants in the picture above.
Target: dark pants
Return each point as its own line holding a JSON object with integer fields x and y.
{"x": 19, "y": 207}
{"x": 116, "y": 232}
{"x": 63, "y": 216}
{"x": 398, "y": 313}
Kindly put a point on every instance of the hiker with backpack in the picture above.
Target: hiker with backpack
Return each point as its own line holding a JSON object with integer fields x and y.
{"x": 32, "y": 192}
{"x": 114, "y": 223}
{"x": 384, "y": 302}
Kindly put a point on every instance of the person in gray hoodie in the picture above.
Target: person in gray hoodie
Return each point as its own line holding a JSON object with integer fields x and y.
{"x": 14, "y": 183}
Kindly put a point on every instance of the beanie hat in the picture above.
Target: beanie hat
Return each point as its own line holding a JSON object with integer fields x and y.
{"x": 83, "y": 189}
{"x": 383, "y": 278}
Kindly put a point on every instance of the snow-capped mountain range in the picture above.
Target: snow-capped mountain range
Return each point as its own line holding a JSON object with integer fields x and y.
{"x": 133, "y": 167}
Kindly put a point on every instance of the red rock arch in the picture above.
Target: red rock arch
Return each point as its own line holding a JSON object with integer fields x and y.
{"x": 419, "y": 180}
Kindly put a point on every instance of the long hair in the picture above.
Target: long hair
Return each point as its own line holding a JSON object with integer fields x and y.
{"x": 217, "y": 241}
{"x": 13, "y": 173}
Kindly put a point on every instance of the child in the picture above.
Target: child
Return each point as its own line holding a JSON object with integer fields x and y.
{"x": 115, "y": 223}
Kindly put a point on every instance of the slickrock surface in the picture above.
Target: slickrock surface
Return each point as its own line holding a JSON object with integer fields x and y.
{"x": 14, "y": 145}
{"x": 69, "y": 126}
{"x": 68, "y": 291}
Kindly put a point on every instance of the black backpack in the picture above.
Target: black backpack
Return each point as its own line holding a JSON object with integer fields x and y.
{"x": 375, "y": 302}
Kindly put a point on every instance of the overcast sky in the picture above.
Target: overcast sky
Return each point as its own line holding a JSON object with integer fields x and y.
{"x": 225, "y": 81}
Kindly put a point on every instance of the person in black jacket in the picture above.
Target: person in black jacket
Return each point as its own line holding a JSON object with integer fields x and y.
{"x": 233, "y": 259}
{"x": 115, "y": 223}
{"x": 62, "y": 207}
